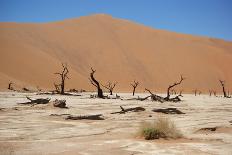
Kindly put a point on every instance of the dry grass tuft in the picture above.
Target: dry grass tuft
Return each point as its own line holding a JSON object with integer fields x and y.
{"x": 161, "y": 128}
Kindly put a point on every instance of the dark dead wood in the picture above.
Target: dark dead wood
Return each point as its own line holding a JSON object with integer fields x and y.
{"x": 172, "y": 86}
{"x": 110, "y": 86}
{"x": 168, "y": 111}
{"x": 10, "y": 86}
{"x": 95, "y": 83}
{"x": 155, "y": 97}
{"x": 25, "y": 89}
{"x": 208, "y": 129}
{"x": 175, "y": 99}
{"x": 134, "y": 85}
{"x": 59, "y": 114}
{"x": 73, "y": 90}
{"x": 89, "y": 117}
{"x": 59, "y": 103}
{"x": 55, "y": 93}
{"x": 2, "y": 109}
{"x": 224, "y": 89}
{"x": 123, "y": 111}
{"x": 36, "y": 101}
{"x": 138, "y": 98}
{"x": 143, "y": 98}
{"x": 63, "y": 75}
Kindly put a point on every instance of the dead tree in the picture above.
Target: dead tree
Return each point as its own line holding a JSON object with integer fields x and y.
{"x": 96, "y": 84}
{"x": 134, "y": 85}
{"x": 195, "y": 92}
{"x": 63, "y": 75}
{"x": 210, "y": 92}
{"x": 110, "y": 86}
{"x": 155, "y": 97}
{"x": 167, "y": 98}
{"x": 10, "y": 86}
{"x": 173, "y": 92}
{"x": 57, "y": 87}
{"x": 161, "y": 99}
{"x": 214, "y": 93}
{"x": 223, "y": 88}
{"x": 180, "y": 93}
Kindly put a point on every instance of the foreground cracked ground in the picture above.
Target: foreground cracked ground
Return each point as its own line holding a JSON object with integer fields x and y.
{"x": 31, "y": 130}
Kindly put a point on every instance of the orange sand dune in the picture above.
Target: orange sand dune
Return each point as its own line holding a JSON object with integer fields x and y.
{"x": 118, "y": 49}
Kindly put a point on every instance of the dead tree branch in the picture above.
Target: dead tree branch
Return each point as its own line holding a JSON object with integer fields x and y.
{"x": 90, "y": 117}
{"x": 123, "y": 111}
{"x": 155, "y": 97}
{"x": 168, "y": 111}
{"x": 36, "y": 101}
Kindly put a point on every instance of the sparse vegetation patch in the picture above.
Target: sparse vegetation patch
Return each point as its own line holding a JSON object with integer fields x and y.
{"x": 161, "y": 128}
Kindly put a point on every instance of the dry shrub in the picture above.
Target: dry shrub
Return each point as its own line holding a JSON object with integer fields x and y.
{"x": 161, "y": 128}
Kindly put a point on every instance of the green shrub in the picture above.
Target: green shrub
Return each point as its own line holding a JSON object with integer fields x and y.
{"x": 161, "y": 128}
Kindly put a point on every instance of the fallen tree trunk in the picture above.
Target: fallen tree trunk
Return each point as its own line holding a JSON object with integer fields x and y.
{"x": 36, "y": 101}
{"x": 59, "y": 103}
{"x": 123, "y": 111}
{"x": 175, "y": 99}
{"x": 90, "y": 117}
{"x": 168, "y": 111}
{"x": 155, "y": 97}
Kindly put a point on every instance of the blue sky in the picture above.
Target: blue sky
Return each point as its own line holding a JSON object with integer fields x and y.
{"x": 211, "y": 18}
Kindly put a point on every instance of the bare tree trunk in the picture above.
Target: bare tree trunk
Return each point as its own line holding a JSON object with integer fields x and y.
{"x": 96, "y": 84}
{"x": 63, "y": 76}
{"x": 210, "y": 92}
{"x": 134, "y": 85}
{"x": 223, "y": 88}
{"x": 195, "y": 92}
{"x": 171, "y": 86}
{"x": 10, "y": 86}
{"x": 62, "y": 86}
{"x": 133, "y": 91}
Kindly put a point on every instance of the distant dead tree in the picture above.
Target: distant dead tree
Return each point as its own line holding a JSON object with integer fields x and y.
{"x": 134, "y": 85}
{"x": 195, "y": 92}
{"x": 210, "y": 92}
{"x": 10, "y": 86}
{"x": 57, "y": 87}
{"x": 180, "y": 93}
{"x": 223, "y": 88}
{"x": 214, "y": 93}
{"x": 39, "y": 89}
{"x": 173, "y": 92}
{"x": 110, "y": 86}
{"x": 167, "y": 98}
{"x": 63, "y": 75}
{"x": 96, "y": 84}
{"x": 161, "y": 99}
